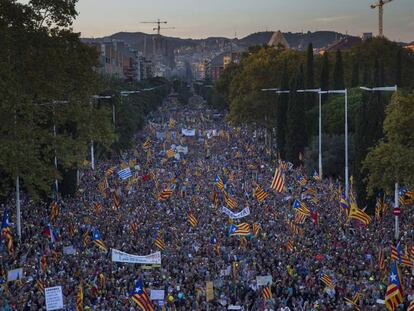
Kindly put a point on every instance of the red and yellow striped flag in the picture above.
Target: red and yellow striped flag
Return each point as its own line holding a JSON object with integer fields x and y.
{"x": 54, "y": 211}
{"x": 79, "y": 298}
{"x": 192, "y": 219}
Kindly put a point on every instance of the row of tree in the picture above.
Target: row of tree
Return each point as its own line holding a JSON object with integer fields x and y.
{"x": 47, "y": 79}
{"x": 294, "y": 116}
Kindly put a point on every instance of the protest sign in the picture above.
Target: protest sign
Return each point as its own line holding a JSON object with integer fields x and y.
{"x": 157, "y": 294}
{"x": 54, "y": 298}
{"x": 209, "y": 291}
{"x": 264, "y": 280}
{"x": 14, "y": 275}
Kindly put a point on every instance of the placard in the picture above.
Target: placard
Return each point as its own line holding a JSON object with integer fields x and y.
{"x": 264, "y": 280}
{"x": 69, "y": 250}
{"x": 157, "y": 294}
{"x": 14, "y": 275}
{"x": 54, "y": 298}
{"x": 209, "y": 291}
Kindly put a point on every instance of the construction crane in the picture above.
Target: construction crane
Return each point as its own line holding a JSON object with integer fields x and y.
{"x": 380, "y": 5}
{"x": 158, "y": 28}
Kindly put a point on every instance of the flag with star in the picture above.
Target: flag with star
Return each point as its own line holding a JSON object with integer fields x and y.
{"x": 140, "y": 297}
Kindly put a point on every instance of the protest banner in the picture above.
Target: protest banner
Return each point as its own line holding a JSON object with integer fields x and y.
{"x": 245, "y": 212}
{"x": 118, "y": 256}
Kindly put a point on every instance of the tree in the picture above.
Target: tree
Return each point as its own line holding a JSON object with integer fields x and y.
{"x": 47, "y": 76}
{"x": 281, "y": 114}
{"x": 398, "y": 73}
{"x": 392, "y": 159}
{"x": 324, "y": 79}
{"x": 355, "y": 73}
{"x": 296, "y": 131}
{"x": 338, "y": 74}
{"x": 309, "y": 68}
{"x": 368, "y": 131}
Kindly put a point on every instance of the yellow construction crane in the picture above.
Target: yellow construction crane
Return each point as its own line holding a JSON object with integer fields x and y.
{"x": 380, "y": 5}
{"x": 158, "y": 28}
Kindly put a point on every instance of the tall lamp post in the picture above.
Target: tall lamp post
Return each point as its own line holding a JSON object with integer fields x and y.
{"x": 345, "y": 92}
{"x": 396, "y": 190}
{"x": 320, "y": 125}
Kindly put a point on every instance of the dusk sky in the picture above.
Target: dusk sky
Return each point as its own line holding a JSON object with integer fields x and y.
{"x": 204, "y": 18}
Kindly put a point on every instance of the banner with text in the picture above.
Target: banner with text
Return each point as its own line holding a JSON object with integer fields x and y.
{"x": 245, "y": 212}
{"x": 118, "y": 256}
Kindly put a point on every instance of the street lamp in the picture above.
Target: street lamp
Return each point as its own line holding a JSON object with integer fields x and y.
{"x": 320, "y": 125}
{"x": 345, "y": 92}
{"x": 396, "y": 195}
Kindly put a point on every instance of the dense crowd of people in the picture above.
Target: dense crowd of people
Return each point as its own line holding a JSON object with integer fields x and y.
{"x": 294, "y": 253}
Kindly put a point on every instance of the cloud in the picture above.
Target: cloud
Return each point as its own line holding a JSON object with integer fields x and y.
{"x": 332, "y": 19}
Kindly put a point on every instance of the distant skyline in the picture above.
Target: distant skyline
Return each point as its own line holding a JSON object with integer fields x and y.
{"x": 201, "y": 19}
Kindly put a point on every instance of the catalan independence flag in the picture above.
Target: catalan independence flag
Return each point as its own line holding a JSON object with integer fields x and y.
{"x": 301, "y": 180}
{"x": 402, "y": 259}
{"x": 260, "y": 194}
{"x": 357, "y": 214}
{"x": 79, "y": 298}
{"x": 394, "y": 295}
{"x": 344, "y": 205}
{"x": 219, "y": 183}
{"x": 267, "y": 293}
{"x": 97, "y": 240}
{"x": 278, "y": 182}
{"x": 140, "y": 297}
{"x": 256, "y": 229}
{"x": 54, "y": 211}
{"x": 230, "y": 201}
{"x": 192, "y": 219}
{"x": 6, "y": 231}
{"x": 165, "y": 194}
{"x": 325, "y": 278}
{"x": 159, "y": 243}
{"x": 241, "y": 230}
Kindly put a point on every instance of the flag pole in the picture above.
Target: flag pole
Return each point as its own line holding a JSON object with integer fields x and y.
{"x": 396, "y": 205}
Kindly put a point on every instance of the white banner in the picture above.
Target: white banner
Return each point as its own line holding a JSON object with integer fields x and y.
{"x": 154, "y": 258}
{"x": 54, "y": 298}
{"x": 187, "y": 132}
{"x": 181, "y": 149}
{"x": 245, "y": 212}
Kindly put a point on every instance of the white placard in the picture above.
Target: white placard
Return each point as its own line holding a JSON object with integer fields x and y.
{"x": 233, "y": 307}
{"x": 16, "y": 274}
{"x": 264, "y": 280}
{"x": 54, "y": 298}
{"x": 187, "y": 132}
{"x": 380, "y": 301}
{"x": 69, "y": 250}
{"x": 118, "y": 256}
{"x": 157, "y": 294}
{"x": 245, "y": 212}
